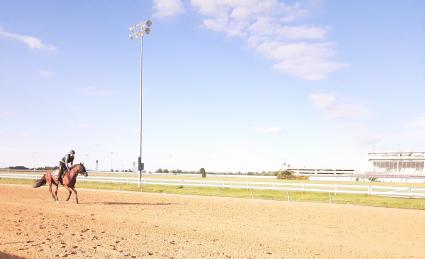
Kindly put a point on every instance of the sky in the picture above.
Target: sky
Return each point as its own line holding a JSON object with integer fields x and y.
{"x": 228, "y": 85}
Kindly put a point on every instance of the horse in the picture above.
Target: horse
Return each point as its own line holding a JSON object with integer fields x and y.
{"x": 69, "y": 180}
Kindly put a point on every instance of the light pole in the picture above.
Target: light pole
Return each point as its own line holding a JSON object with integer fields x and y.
{"x": 111, "y": 162}
{"x": 138, "y": 31}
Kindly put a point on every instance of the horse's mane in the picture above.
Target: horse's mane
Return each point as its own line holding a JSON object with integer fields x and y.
{"x": 72, "y": 167}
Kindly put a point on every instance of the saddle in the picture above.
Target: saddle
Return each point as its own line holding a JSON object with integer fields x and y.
{"x": 55, "y": 174}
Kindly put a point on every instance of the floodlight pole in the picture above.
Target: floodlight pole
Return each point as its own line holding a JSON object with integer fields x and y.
{"x": 140, "y": 166}
{"x": 138, "y": 31}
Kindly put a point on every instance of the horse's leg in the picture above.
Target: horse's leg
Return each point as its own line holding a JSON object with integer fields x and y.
{"x": 69, "y": 192}
{"x": 76, "y": 196}
{"x": 50, "y": 190}
{"x": 56, "y": 192}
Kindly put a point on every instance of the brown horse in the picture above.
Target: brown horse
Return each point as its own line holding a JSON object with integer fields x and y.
{"x": 69, "y": 180}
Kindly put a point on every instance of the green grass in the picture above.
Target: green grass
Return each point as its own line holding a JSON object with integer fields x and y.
{"x": 253, "y": 180}
{"x": 252, "y": 194}
{"x": 236, "y": 179}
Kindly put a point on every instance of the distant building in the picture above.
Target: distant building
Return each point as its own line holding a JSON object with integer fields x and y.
{"x": 399, "y": 163}
{"x": 321, "y": 171}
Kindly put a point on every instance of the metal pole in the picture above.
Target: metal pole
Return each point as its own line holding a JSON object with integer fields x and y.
{"x": 111, "y": 161}
{"x": 138, "y": 31}
{"x": 141, "y": 110}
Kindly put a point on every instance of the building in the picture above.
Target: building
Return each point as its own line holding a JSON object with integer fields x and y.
{"x": 398, "y": 163}
{"x": 321, "y": 171}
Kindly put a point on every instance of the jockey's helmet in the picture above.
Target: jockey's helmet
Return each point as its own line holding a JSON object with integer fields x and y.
{"x": 72, "y": 152}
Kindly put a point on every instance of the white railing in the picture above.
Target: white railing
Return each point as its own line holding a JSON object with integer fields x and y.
{"x": 390, "y": 191}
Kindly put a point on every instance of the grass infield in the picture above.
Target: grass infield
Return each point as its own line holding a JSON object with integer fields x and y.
{"x": 357, "y": 199}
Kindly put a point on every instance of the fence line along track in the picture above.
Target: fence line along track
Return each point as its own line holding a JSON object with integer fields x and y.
{"x": 389, "y": 191}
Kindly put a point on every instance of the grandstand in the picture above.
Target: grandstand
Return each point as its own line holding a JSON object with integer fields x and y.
{"x": 397, "y": 163}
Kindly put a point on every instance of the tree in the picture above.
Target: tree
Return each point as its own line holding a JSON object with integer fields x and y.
{"x": 176, "y": 171}
{"x": 19, "y": 167}
{"x": 203, "y": 172}
{"x": 285, "y": 174}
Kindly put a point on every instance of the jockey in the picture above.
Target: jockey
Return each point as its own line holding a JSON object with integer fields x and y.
{"x": 63, "y": 164}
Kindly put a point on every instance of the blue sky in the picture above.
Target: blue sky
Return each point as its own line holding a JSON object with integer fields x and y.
{"x": 228, "y": 85}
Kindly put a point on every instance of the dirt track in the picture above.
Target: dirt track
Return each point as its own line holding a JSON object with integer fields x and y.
{"x": 113, "y": 224}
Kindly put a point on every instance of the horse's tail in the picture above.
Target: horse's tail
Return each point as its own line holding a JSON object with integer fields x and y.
{"x": 40, "y": 182}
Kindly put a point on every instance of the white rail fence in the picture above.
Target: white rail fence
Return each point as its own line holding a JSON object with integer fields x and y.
{"x": 389, "y": 191}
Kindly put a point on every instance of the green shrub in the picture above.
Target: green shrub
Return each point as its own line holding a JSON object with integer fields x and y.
{"x": 288, "y": 175}
{"x": 372, "y": 179}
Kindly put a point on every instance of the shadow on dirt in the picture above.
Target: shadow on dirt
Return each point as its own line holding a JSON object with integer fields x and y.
{"x": 129, "y": 203}
{"x": 9, "y": 256}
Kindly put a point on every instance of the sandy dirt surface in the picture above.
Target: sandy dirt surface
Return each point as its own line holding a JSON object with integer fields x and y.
{"x": 119, "y": 224}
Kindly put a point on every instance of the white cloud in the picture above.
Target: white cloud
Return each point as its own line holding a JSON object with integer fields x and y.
{"x": 263, "y": 29}
{"x": 322, "y": 100}
{"x": 416, "y": 122}
{"x": 244, "y": 10}
{"x": 336, "y": 108}
{"x": 45, "y": 73}
{"x": 269, "y": 130}
{"x": 308, "y": 61}
{"x": 167, "y": 8}
{"x": 299, "y": 50}
{"x": 30, "y": 41}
